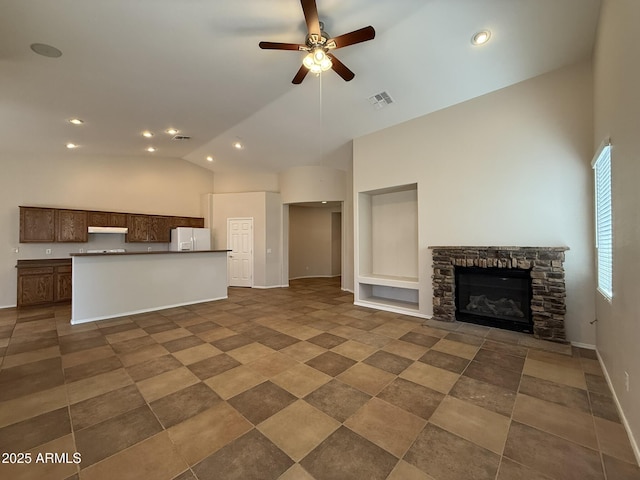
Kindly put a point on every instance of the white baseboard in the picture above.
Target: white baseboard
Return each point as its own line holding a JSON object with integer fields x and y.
{"x": 587, "y": 346}
{"x": 315, "y": 276}
{"x": 632, "y": 440}
{"x": 261, "y": 287}
{"x": 7, "y": 306}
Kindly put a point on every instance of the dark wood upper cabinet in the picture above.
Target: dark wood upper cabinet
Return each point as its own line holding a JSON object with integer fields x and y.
{"x": 106, "y": 219}
{"x": 71, "y": 226}
{"x": 37, "y": 224}
{"x": 138, "y": 228}
{"x": 159, "y": 229}
{"x": 196, "y": 222}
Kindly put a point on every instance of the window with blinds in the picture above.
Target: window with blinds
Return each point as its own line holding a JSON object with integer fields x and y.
{"x": 604, "y": 220}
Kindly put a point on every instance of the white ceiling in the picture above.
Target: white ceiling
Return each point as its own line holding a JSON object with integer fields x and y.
{"x": 131, "y": 65}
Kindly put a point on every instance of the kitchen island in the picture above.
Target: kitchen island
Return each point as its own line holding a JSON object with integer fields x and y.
{"x": 108, "y": 285}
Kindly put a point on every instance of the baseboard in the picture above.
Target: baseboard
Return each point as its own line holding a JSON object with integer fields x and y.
{"x": 625, "y": 423}
{"x": 314, "y": 276}
{"x": 261, "y": 287}
{"x": 7, "y": 306}
{"x": 586, "y": 346}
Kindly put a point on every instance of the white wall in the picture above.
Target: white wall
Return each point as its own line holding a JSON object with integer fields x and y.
{"x": 266, "y": 210}
{"x": 508, "y": 168}
{"x": 153, "y": 185}
{"x": 617, "y": 114}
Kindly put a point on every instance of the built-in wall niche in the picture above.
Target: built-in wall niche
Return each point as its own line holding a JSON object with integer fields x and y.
{"x": 388, "y": 249}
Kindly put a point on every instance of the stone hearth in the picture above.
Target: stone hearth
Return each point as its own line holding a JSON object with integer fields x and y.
{"x": 546, "y": 265}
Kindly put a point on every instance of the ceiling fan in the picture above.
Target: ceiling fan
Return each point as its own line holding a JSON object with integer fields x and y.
{"x": 318, "y": 44}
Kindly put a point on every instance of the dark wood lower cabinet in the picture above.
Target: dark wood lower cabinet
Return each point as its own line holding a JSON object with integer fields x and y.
{"x": 42, "y": 282}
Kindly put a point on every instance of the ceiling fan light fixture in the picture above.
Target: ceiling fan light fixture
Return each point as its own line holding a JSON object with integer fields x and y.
{"x": 317, "y": 61}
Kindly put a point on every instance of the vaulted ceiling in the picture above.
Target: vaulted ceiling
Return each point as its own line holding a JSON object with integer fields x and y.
{"x": 134, "y": 65}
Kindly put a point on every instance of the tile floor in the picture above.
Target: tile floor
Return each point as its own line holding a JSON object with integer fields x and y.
{"x": 296, "y": 384}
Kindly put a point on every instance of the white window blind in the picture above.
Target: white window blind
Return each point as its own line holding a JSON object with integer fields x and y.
{"x": 604, "y": 220}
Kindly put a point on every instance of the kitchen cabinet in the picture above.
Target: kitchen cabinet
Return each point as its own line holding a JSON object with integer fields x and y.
{"x": 138, "y": 228}
{"x": 159, "y": 229}
{"x": 37, "y": 224}
{"x": 43, "y": 282}
{"x": 71, "y": 226}
{"x": 107, "y": 219}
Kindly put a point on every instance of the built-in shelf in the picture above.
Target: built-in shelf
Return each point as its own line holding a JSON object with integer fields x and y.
{"x": 387, "y": 249}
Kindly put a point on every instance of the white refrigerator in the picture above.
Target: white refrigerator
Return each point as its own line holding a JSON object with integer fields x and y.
{"x": 186, "y": 239}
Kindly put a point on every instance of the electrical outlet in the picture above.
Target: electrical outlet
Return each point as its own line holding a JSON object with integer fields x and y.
{"x": 16, "y": 250}
{"x": 81, "y": 250}
{"x": 47, "y": 251}
{"x": 626, "y": 381}
{"x": 148, "y": 249}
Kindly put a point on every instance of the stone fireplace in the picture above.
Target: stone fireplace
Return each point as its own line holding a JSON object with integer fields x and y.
{"x": 544, "y": 266}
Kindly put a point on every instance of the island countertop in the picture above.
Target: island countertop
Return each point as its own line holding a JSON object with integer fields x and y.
{"x": 157, "y": 252}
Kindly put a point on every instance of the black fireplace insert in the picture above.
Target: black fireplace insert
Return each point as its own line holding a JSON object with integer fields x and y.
{"x": 496, "y": 297}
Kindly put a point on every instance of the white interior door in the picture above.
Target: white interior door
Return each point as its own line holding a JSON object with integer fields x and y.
{"x": 240, "y": 242}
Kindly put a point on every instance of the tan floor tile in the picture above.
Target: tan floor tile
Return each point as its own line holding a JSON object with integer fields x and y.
{"x": 456, "y": 348}
{"x": 354, "y": 350}
{"x": 476, "y": 424}
{"x": 85, "y": 356}
{"x": 574, "y": 377}
{"x": 155, "y": 458}
{"x": 303, "y": 351}
{"x": 16, "y": 410}
{"x": 302, "y": 332}
{"x": 235, "y": 381}
{"x": 386, "y": 425}
{"x": 197, "y": 353}
{"x": 126, "y": 335}
{"x": 405, "y": 349}
{"x": 28, "y": 357}
{"x": 366, "y": 378}
{"x": 37, "y": 326}
{"x": 142, "y": 355}
{"x": 208, "y": 432}
{"x": 169, "y": 335}
{"x": 296, "y": 472}
{"x": 393, "y": 330}
{"x": 565, "y": 422}
{"x": 94, "y": 386}
{"x": 301, "y": 380}
{"x": 66, "y": 328}
{"x": 169, "y": 382}
{"x": 613, "y": 440}
{"x": 298, "y": 429}
{"x": 39, "y": 470}
{"x": 272, "y": 365}
{"x": 554, "y": 358}
{"x": 428, "y": 376}
{"x": 216, "y": 334}
{"x": 406, "y": 471}
{"x": 251, "y": 352}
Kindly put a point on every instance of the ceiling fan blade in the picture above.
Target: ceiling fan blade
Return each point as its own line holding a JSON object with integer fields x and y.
{"x": 300, "y": 75}
{"x": 357, "y": 36}
{"x": 340, "y": 68}
{"x": 310, "y": 11}
{"x": 281, "y": 46}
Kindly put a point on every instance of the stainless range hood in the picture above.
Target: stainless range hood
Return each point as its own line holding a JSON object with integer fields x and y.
{"x": 108, "y": 230}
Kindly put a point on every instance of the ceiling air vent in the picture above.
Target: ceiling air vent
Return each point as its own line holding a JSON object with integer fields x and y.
{"x": 380, "y": 100}
{"x": 181, "y": 137}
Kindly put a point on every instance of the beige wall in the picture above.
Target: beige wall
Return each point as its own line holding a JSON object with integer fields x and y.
{"x": 152, "y": 185}
{"x": 617, "y": 114}
{"x": 266, "y": 210}
{"x": 310, "y": 242}
{"x": 520, "y": 158}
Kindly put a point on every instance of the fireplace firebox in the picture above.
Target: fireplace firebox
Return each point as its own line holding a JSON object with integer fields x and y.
{"x": 495, "y": 297}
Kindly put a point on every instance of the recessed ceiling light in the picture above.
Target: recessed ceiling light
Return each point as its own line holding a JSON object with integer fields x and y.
{"x": 46, "y": 50}
{"x": 76, "y": 121}
{"x": 71, "y": 145}
{"x": 171, "y": 131}
{"x": 481, "y": 38}
{"x": 151, "y": 149}
{"x": 238, "y": 145}
{"x": 147, "y": 134}
{"x": 209, "y": 158}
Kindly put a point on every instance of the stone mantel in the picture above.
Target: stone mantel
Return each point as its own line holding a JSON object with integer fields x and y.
{"x": 546, "y": 265}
